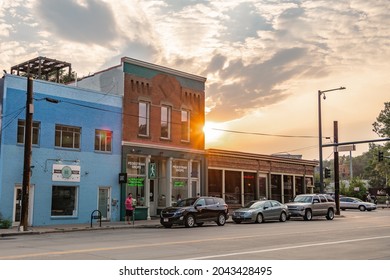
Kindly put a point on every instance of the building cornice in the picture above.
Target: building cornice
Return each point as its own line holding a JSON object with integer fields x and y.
{"x": 163, "y": 69}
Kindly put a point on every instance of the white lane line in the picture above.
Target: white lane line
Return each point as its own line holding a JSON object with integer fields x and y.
{"x": 291, "y": 247}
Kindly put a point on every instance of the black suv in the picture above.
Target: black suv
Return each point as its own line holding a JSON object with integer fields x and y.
{"x": 196, "y": 210}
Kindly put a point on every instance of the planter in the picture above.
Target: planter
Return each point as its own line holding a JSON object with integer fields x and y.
{"x": 141, "y": 213}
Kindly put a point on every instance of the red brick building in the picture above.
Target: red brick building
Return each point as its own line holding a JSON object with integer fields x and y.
{"x": 163, "y": 143}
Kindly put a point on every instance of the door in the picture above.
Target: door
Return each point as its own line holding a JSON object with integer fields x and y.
{"x": 194, "y": 188}
{"x": 104, "y": 203}
{"x": 18, "y": 205}
{"x": 152, "y": 196}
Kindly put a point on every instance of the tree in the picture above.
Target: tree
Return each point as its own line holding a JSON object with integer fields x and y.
{"x": 378, "y": 172}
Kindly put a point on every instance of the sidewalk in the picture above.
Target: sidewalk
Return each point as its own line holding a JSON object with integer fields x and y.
{"x": 153, "y": 223}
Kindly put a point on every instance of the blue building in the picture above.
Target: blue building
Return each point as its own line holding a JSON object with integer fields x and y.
{"x": 76, "y": 152}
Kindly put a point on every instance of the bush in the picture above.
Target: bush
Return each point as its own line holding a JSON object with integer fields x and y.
{"x": 5, "y": 223}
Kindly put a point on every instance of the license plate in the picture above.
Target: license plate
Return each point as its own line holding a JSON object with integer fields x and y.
{"x": 166, "y": 220}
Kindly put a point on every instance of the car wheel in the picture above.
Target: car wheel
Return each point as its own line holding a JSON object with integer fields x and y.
{"x": 221, "y": 220}
{"x": 330, "y": 214}
{"x": 362, "y": 208}
{"x": 167, "y": 225}
{"x": 308, "y": 215}
{"x": 189, "y": 221}
{"x": 283, "y": 217}
{"x": 259, "y": 218}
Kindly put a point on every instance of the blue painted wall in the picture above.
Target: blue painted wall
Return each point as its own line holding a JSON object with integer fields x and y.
{"x": 87, "y": 109}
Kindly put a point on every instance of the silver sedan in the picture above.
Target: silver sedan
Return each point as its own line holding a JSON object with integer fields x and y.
{"x": 355, "y": 203}
{"x": 261, "y": 210}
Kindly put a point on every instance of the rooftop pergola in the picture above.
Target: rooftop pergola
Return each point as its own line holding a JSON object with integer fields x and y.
{"x": 42, "y": 67}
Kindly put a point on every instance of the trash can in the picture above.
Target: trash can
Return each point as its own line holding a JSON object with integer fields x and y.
{"x": 141, "y": 213}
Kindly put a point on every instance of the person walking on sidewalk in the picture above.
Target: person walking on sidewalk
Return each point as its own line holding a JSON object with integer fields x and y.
{"x": 129, "y": 208}
{"x": 387, "y": 200}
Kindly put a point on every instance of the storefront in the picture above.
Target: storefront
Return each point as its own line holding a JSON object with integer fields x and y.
{"x": 159, "y": 178}
{"x": 241, "y": 177}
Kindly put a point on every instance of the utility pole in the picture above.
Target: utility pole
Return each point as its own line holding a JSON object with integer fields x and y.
{"x": 336, "y": 168}
{"x": 27, "y": 155}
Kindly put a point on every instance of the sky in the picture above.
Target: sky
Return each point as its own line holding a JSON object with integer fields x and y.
{"x": 264, "y": 60}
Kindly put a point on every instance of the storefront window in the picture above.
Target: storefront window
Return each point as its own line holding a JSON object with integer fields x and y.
{"x": 63, "y": 201}
{"x": 299, "y": 185}
{"x": 262, "y": 187}
{"x": 287, "y": 188}
{"x": 179, "y": 180}
{"x": 233, "y": 187}
{"x": 276, "y": 187}
{"x": 249, "y": 186}
{"x": 215, "y": 182}
{"x": 136, "y": 174}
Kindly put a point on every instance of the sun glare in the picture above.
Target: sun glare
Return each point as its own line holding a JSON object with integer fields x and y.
{"x": 211, "y": 133}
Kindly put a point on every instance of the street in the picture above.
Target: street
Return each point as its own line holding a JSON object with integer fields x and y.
{"x": 354, "y": 235}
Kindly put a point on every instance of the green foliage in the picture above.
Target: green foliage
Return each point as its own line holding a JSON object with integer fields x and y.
{"x": 356, "y": 188}
{"x": 5, "y": 223}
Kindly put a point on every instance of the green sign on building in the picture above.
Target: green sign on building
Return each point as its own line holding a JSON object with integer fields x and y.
{"x": 135, "y": 182}
{"x": 152, "y": 173}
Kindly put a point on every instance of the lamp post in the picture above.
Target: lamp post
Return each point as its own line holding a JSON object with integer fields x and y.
{"x": 322, "y": 92}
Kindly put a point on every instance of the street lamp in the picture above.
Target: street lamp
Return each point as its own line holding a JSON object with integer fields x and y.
{"x": 322, "y": 92}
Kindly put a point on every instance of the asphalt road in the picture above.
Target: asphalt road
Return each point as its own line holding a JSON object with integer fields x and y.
{"x": 353, "y": 236}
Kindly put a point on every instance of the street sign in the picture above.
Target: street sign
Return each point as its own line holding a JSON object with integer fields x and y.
{"x": 346, "y": 148}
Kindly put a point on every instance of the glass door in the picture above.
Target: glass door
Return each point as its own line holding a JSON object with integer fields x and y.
{"x": 17, "y": 205}
{"x": 104, "y": 203}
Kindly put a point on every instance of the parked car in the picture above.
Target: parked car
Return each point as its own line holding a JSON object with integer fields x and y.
{"x": 310, "y": 205}
{"x": 195, "y": 211}
{"x": 356, "y": 203}
{"x": 261, "y": 210}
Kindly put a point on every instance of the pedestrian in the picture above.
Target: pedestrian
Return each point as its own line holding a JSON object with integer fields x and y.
{"x": 129, "y": 207}
{"x": 368, "y": 198}
{"x": 387, "y": 200}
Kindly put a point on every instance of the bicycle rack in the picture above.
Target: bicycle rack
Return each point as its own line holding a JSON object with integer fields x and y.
{"x": 96, "y": 216}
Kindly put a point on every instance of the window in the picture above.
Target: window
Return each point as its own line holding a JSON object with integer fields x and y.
{"x": 103, "y": 139}
{"x": 67, "y": 137}
{"x": 22, "y": 131}
{"x": 185, "y": 125}
{"x": 143, "y": 118}
{"x": 64, "y": 201}
{"x": 165, "y": 122}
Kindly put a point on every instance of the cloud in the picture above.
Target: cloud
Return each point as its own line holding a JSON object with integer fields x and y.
{"x": 91, "y": 23}
{"x": 245, "y": 88}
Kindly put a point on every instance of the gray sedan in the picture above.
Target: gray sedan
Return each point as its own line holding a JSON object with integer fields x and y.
{"x": 355, "y": 203}
{"x": 261, "y": 210}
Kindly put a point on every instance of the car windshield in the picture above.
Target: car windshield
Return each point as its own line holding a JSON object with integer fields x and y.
{"x": 303, "y": 198}
{"x": 186, "y": 202}
{"x": 254, "y": 204}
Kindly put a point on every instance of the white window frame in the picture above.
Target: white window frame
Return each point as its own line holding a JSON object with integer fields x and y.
{"x": 166, "y": 121}
{"x": 76, "y": 135}
{"x": 104, "y": 139}
{"x": 143, "y": 118}
{"x": 36, "y": 128}
{"x": 185, "y": 135}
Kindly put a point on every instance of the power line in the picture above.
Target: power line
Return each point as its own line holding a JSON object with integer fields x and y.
{"x": 264, "y": 134}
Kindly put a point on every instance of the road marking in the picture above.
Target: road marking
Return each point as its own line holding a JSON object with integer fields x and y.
{"x": 185, "y": 242}
{"x": 291, "y": 247}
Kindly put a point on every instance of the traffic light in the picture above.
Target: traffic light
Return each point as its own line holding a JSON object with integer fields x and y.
{"x": 380, "y": 156}
{"x": 327, "y": 172}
